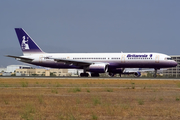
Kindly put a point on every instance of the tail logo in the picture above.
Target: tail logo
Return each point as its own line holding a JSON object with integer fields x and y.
{"x": 24, "y": 44}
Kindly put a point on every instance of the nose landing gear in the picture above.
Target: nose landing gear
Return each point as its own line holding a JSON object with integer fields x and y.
{"x": 155, "y": 72}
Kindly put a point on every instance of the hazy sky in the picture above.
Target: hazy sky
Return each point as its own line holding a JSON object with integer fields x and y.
{"x": 91, "y": 26}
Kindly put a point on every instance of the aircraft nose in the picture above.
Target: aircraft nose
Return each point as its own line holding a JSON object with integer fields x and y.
{"x": 175, "y": 63}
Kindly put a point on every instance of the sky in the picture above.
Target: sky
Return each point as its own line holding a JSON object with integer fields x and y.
{"x": 91, "y": 26}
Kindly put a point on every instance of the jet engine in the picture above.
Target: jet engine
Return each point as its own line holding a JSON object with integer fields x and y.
{"x": 98, "y": 68}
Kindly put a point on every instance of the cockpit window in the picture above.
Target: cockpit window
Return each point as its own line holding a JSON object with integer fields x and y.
{"x": 169, "y": 58}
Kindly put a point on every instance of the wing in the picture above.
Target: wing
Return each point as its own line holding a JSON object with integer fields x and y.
{"x": 20, "y": 58}
{"x": 73, "y": 62}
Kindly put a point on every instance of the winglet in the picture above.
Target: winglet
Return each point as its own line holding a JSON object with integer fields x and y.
{"x": 27, "y": 44}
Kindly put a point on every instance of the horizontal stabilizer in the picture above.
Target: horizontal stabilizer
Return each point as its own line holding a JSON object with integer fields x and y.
{"x": 20, "y": 58}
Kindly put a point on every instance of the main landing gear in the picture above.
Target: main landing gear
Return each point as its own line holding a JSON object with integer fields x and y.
{"x": 111, "y": 74}
{"x": 84, "y": 75}
{"x": 155, "y": 72}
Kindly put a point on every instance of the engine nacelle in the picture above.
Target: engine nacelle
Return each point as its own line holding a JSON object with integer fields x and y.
{"x": 98, "y": 68}
{"x": 137, "y": 74}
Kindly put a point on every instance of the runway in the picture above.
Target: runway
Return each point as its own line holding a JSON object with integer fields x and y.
{"x": 98, "y": 78}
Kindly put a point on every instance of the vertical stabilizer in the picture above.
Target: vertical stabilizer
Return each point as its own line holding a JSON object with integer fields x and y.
{"x": 27, "y": 44}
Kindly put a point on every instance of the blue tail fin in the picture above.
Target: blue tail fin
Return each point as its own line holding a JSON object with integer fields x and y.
{"x": 27, "y": 44}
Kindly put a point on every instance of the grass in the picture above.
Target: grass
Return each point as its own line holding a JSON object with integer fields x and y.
{"x": 125, "y": 106}
{"x": 24, "y": 84}
{"x": 141, "y": 119}
{"x": 43, "y": 85}
{"x": 153, "y": 99}
{"x": 178, "y": 85}
{"x": 27, "y": 99}
{"x": 109, "y": 89}
{"x": 28, "y": 112}
{"x": 177, "y": 98}
{"x": 161, "y": 99}
{"x": 140, "y": 102}
{"x": 94, "y": 117}
{"x": 54, "y": 91}
{"x": 96, "y": 101}
{"x": 132, "y": 83}
{"x": 6, "y": 102}
{"x": 88, "y": 90}
{"x": 78, "y": 101}
{"x": 74, "y": 90}
{"x": 58, "y": 85}
{"x": 133, "y": 87}
{"x": 71, "y": 117}
{"x": 40, "y": 99}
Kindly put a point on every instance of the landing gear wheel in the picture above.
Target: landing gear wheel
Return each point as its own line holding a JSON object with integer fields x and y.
{"x": 84, "y": 75}
{"x": 111, "y": 74}
{"x": 154, "y": 75}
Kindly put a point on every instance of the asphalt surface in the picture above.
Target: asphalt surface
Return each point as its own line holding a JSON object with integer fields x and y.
{"x": 105, "y": 78}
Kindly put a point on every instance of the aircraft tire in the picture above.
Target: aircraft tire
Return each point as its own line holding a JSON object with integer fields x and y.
{"x": 84, "y": 75}
{"x": 154, "y": 75}
{"x": 111, "y": 74}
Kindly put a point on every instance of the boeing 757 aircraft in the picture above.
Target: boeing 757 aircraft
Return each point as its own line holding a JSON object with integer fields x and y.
{"x": 95, "y": 63}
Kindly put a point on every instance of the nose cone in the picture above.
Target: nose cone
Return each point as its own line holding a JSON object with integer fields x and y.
{"x": 174, "y": 63}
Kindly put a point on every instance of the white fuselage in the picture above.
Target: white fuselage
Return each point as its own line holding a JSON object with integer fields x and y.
{"x": 114, "y": 60}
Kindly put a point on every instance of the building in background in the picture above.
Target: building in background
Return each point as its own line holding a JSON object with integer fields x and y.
{"x": 174, "y": 71}
{"x": 3, "y": 70}
{"x": 74, "y": 72}
{"x": 24, "y": 70}
{"x": 42, "y": 72}
{"x": 12, "y": 68}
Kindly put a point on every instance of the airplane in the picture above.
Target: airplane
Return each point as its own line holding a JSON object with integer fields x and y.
{"x": 95, "y": 63}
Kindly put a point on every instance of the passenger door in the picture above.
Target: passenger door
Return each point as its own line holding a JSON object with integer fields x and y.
{"x": 157, "y": 59}
{"x": 123, "y": 57}
{"x": 41, "y": 58}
